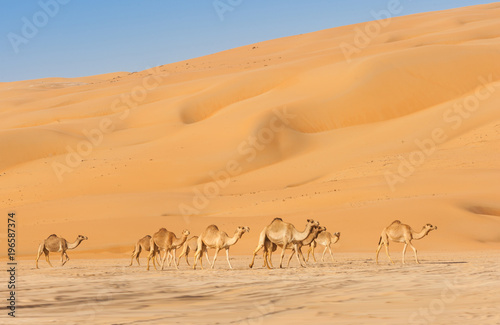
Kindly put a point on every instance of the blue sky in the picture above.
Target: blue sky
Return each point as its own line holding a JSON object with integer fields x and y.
{"x": 73, "y": 38}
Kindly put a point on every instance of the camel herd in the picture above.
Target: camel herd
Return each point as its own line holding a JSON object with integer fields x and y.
{"x": 277, "y": 234}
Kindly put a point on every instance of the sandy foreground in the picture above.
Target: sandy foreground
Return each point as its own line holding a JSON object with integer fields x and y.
{"x": 446, "y": 288}
{"x": 405, "y": 126}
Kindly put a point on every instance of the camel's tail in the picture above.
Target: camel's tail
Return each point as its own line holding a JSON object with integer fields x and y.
{"x": 380, "y": 240}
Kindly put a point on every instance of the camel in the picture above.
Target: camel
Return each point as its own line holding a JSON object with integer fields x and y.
{"x": 57, "y": 244}
{"x": 143, "y": 244}
{"x": 212, "y": 237}
{"x": 167, "y": 241}
{"x": 190, "y": 245}
{"x": 270, "y": 247}
{"x": 282, "y": 233}
{"x": 401, "y": 233}
{"x": 326, "y": 239}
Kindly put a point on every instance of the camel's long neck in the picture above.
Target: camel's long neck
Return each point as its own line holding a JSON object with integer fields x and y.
{"x": 312, "y": 236}
{"x": 300, "y": 236}
{"x": 422, "y": 233}
{"x": 180, "y": 241}
{"x": 233, "y": 240}
{"x": 74, "y": 244}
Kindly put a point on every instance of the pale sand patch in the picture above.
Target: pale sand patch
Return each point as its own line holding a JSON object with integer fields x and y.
{"x": 447, "y": 288}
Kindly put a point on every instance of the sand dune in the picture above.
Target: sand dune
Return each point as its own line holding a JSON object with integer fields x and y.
{"x": 408, "y": 128}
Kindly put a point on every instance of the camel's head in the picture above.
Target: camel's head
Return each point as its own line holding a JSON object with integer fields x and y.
{"x": 318, "y": 229}
{"x": 337, "y": 234}
{"x": 185, "y": 232}
{"x": 430, "y": 227}
{"x": 312, "y": 222}
{"x": 81, "y": 237}
{"x": 242, "y": 229}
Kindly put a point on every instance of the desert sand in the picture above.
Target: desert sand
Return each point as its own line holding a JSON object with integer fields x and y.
{"x": 446, "y": 288}
{"x": 404, "y": 124}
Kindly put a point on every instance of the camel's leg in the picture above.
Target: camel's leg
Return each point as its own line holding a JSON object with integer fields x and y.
{"x": 46, "y": 252}
{"x": 227, "y": 257}
{"x": 270, "y": 259}
{"x": 41, "y": 248}
{"x": 414, "y": 251}
{"x": 387, "y": 252}
{"x": 331, "y": 254}
{"x": 313, "y": 247}
{"x": 67, "y": 257}
{"x": 165, "y": 256}
{"x": 152, "y": 254}
{"x": 173, "y": 260}
{"x": 206, "y": 255}
{"x": 290, "y": 258}
{"x": 299, "y": 252}
{"x": 262, "y": 240}
{"x": 378, "y": 250}
{"x": 135, "y": 253}
{"x": 215, "y": 257}
{"x": 164, "y": 259}
{"x": 171, "y": 257}
{"x": 404, "y": 252}
{"x": 283, "y": 254}
{"x": 62, "y": 259}
{"x": 157, "y": 258}
{"x": 323, "y": 256}
{"x": 137, "y": 256}
{"x": 183, "y": 253}
{"x": 267, "y": 260}
{"x": 270, "y": 254}
{"x": 255, "y": 252}
{"x": 198, "y": 256}
{"x": 302, "y": 256}
{"x": 199, "y": 253}
{"x": 186, "y": 255}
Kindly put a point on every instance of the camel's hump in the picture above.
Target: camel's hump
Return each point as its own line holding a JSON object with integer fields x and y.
{"x": 395, "y": 221}
{"x": 277, "y": 219}
{"x": 53, "y": 235}
{"x": 213, "y": 227}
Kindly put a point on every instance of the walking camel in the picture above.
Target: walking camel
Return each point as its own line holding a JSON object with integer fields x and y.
{"x": 57, "y": 244}
{"x": 270, "y": 247}
{"x": 167, "y": 241}
{"x": 326, "y": 239}
{"x": 282, "y": 234}
{"x": 143, "y": 244}
{"x": 190, "y": 245}
{"x": 212, "y": 237}
{"x": 401, "y": 233}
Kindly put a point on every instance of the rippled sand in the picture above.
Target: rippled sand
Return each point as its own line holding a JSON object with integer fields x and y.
{"x": 447, "y": 288}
